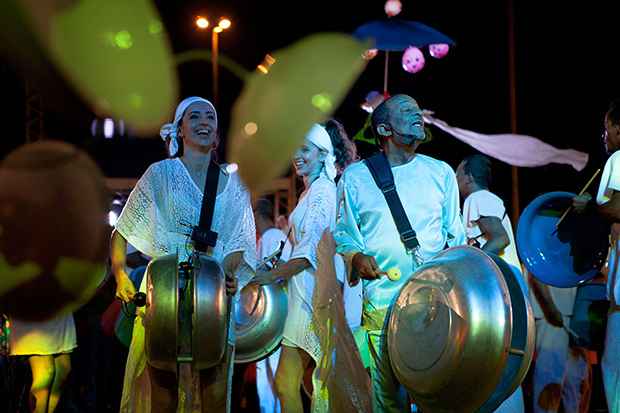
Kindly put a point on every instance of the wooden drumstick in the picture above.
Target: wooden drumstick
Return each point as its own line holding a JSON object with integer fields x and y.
{"x": 580, "y": 193}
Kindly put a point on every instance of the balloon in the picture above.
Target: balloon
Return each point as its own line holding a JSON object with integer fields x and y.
{"x": 393, "y": 7}
{"x": 439, "y": 50}
{"x": 53, "y": 230}
{"x": 116, "y": 54}
{"x": 413, "y": 60}
{"x": 304, "y": 85}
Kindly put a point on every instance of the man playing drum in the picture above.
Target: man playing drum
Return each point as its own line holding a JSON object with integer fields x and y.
{"x": 607, "y": 205}
{"x": 367, "y": 236}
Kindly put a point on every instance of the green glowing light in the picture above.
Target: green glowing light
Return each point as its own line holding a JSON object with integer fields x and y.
{"x": 322, "y": 102}
{"x": 155, "y": 27}
{"x": 136, "y": 100}
{"x": 123, "y": 39}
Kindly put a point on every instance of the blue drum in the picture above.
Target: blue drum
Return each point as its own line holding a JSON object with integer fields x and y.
{"x": 565, "y": 256}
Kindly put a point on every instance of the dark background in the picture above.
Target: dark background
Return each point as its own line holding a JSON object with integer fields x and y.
{"x": 566, "y": 59}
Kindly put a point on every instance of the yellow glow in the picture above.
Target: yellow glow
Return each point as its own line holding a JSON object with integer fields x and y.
{"x": 322, "y": 102}
{"x": 262, "y": 69}
{"x": 123, "y": 39}
{"x": 218, "y": 29}
{"x": 202, "y": 23}
{"x": 250, "y": 128}
{"x": 224, "y": 23}
{"x": 269, "y": 59}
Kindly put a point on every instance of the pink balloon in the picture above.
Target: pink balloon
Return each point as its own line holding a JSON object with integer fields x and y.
{"x": 413, "y": 60}
{"x": 438, "y": 50}
{"x": 393, "y": 7}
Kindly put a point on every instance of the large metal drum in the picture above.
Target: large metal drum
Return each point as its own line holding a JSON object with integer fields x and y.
{"x": 259, "y": 321}
{"x": 205, "y": 305}
{"x": 451, "y": 337}
{"x": 565, "y": 257}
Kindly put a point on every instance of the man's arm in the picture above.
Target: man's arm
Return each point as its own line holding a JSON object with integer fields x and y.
{"x": 495, "y": 234}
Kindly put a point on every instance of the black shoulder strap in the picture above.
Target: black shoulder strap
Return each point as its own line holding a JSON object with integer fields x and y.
{"x": 202, "y": 235}
{"x": 382, "y": 174}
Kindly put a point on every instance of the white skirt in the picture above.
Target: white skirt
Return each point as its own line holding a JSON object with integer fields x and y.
{"x": 42, "y": 338}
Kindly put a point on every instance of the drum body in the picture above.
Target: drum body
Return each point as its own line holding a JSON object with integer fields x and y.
{"x": 259, "y": 321}
{"x": 590, "y": 316}
{"x": 451, "y": 332}
{"x": 565, "y": 257}
{"x": 169, "y": 339}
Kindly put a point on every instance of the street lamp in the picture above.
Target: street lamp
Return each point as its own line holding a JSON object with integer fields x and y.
{"x": 202, "y": 23}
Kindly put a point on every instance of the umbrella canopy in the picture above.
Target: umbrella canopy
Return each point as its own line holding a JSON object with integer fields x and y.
{"x": 396, "y": 34}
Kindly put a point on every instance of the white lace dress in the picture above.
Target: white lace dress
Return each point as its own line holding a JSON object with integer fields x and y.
{"x": 156, "y": 220}
{"x": 315, "y": 212}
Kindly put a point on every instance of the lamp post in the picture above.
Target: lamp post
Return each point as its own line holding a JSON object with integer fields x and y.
{"x": 202, "y": 23}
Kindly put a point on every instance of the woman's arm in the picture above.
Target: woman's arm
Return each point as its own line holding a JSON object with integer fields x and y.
{"x": 125, "y": 290}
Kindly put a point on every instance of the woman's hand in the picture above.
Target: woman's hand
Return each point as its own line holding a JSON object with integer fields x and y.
{"x": 125, "y": 290}
{"x": 264, "y": 277}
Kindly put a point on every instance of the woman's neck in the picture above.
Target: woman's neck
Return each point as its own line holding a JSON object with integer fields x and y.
{"x": 196, "y": 160}
{"x": 311, "y": 177}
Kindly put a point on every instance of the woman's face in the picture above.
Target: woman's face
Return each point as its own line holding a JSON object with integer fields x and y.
{"x": 199, "y": 126}
{"x": 308, "y": 159}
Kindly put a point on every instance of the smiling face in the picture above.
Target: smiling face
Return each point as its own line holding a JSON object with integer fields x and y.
{"x": 199, "y": 126}
{"x": 308, "y": 159}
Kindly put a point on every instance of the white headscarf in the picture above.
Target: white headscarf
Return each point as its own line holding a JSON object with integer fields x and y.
{"x": 169, "y": 130}
{"x": 319, "y": 136}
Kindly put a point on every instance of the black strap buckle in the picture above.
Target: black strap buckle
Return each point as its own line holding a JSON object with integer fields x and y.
{"x": 388, "y": 188}
{"x": 410, "y": 239}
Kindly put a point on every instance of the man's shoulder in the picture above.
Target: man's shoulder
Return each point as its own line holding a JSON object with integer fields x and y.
{"x": 614, "y": 159}
{"x": 434, "y": 163}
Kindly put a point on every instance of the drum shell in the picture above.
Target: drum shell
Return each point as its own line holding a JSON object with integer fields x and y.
{"x": 452, "y": 318}
{"x": 161, "y": 330}
{"x": 259, "y": 321}
{"x": 209, "y": 327}
{"x": 523, "y": 336}
{"x": 589, "y": 315}
{"x": 211, "y": 313}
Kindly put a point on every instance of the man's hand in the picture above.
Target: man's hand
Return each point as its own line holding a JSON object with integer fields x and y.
{"x": 231, "y": 265}
{"x": 125, "y": 290}
{"x": 580, "y": 202}
{"x": 366, "y": 267}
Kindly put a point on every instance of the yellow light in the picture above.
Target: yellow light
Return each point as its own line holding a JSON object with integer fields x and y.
{"x": 322, "y": 102}
{"x": 269, "y": 59}
{"x": 224, "y": 23}
{"x": 250, "y": 128}
{"x": 218, "y": 29}
{"x": 262, "y": 69}
{"x": 202, "y": 23}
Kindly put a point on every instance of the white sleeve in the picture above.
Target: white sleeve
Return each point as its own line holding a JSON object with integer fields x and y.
{"x": 610, "y": 181}
{"x": 484, "y": 204}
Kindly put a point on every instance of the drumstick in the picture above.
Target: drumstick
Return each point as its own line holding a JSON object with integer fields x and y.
{"x": 580, "y": 193}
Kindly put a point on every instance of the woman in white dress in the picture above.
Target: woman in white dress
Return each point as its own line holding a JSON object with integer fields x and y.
{"x": 156, "y": 219}
{"x": 48, "y": 345}
{"x": 316, "y": 211}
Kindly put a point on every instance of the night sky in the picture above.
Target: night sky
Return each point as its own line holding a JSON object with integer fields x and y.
{"x": 566, "y": 60}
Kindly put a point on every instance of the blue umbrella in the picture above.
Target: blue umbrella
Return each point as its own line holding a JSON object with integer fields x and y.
{"x": 395, "y": 35}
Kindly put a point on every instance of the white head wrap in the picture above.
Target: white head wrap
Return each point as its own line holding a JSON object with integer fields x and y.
{"x": 169, "y": 130}
{"x": 319, "y": 136}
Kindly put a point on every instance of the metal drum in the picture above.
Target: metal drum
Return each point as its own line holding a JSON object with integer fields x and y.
{"x": 590, "y": 315}
{"x": 523, "y": 338}
{"x": 175, "y": 318}
{"x": 564, "y": 258}
{"x": 259, "y": 321}
{"x": 161, "y": 334}
{"x": 451, "y": 335}
{"x": 211, "y": 313}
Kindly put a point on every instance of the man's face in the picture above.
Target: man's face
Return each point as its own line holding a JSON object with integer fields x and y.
{"x": 405, "y": 121}
{"x": 611, "y": 136}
